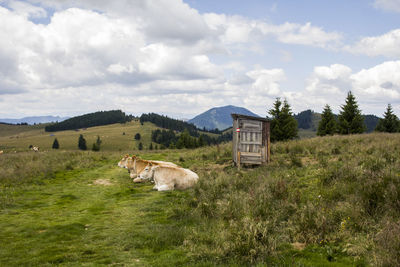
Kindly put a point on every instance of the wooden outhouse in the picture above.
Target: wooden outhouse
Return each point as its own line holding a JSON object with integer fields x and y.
{"x": 251, "y": 140}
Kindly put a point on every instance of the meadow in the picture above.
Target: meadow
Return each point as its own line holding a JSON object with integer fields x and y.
{"x": 332, "y": 201}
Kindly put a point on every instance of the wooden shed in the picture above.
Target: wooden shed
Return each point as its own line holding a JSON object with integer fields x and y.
{"x": 251, "y": 140}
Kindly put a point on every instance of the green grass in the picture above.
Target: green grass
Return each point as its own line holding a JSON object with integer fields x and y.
{"x": 68, "y": 219}
{"x": 338, "y": 197}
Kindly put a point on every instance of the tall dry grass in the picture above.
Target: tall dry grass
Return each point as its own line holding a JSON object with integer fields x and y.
{"x": 339, "y": 194}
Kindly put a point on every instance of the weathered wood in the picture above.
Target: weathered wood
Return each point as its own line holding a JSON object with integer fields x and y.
{"x": 235, "y": 140}
{"x": 238, "y": 160}
{"x": 251, "y": 143}
{"x": 250, "y": 154}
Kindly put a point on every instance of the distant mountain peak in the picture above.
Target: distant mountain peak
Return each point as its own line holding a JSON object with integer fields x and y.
{"x": 219, "y": 117}
{"x": 35, "y": 119}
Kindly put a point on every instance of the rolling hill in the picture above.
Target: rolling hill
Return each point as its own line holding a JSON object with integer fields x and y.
{"x": 219, "y": 117}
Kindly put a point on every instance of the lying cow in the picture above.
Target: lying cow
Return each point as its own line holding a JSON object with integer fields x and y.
{"x": 35, "y": 148}
{"x": 135, "y": 165}
{"x": 168, "y": 177}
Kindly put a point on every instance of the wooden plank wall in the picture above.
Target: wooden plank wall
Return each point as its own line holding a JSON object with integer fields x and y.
{"x": 252, "y": 143}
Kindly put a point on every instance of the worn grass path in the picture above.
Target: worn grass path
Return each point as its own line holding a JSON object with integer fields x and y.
{"x": 69, "y": 220}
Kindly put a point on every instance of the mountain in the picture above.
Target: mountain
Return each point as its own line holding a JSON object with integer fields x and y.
{"x": 219, "y": 117}
{"x": 308, "y": 120}
{"x": 371, "y": 121}
{"x": 33, "y": 120}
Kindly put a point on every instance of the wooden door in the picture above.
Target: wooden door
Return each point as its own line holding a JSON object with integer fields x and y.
{"x": 251, "y": 141}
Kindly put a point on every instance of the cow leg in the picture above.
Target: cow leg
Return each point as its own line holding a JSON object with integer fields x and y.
{"x": 165, "y": 187}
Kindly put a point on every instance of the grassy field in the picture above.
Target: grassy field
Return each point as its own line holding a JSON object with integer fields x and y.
{"x": 115, "y": 137}
{"x": 332, "y": 201}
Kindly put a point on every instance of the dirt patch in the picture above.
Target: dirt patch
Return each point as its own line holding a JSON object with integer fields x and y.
{"x": 299, "y": 246}
{"x": 102, "y": 182}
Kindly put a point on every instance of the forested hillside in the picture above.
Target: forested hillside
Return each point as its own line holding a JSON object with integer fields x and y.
{"x": 169, "y": 123}
{"x": 308, "y": 120}
{"x": 180, "y": 134}
{"x": 90, "y": 120}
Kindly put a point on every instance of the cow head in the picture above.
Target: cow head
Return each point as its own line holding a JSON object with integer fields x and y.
{"x": 123, "y": 163}
{"x": 148, "y": 172}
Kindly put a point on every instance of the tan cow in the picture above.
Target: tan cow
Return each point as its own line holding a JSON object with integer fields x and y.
{"x": 135, "y": 165}
{"x": 168, "y": 178}
{"x": 1, "y": 152}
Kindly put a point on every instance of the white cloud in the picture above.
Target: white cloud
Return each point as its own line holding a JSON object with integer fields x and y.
{"x": 159, "y": 56}
{"x": 266, "y": 82}
{"x": 388, "y": 5}
{"x": 236, "y": 29}
{"x": 372, "y": 87}
{"x": 292, "y": 33}
{"x": 381, "y": 82}
{"x": 386, "y": 45}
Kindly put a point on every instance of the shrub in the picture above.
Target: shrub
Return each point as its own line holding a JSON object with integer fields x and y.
{"x": 82, "y": 143}
{"x": 55, "y": 145}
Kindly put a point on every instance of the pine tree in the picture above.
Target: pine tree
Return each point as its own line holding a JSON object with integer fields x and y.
{"x": 82, "y": 143}
{"x": 151, "y": 146}
{"x": 390, "y": 122}
{"x": 137, "y": 136}
{"x": 96, "y": 146}
{"x": 350, "y": 119}
{"x": 283, "y": 124}
{"x": 98, "y": 141}
{"x": 140, "y": 146}
{"x": 56, "y": 145}
{"x": 328, "y": 124}
{"x": 289, "y": 123}
{"x": 276, "y": 132}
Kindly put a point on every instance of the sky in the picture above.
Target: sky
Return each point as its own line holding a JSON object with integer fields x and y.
{"x": 181, "y": 58}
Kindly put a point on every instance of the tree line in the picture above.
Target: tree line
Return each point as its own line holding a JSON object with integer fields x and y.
{"x": 180, "y": 134}
{"x": 169, "y": 139}
{"x": 350, "y": 120}
{"x": 90, "y": 120}
{"x": 284, "y": 126}
{"x": 169, "y": 123}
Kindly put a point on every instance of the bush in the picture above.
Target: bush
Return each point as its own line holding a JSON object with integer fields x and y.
{"x": 137, "y": 136}
{"x": 82, "y": 143}
{"x": 55, "y": 145}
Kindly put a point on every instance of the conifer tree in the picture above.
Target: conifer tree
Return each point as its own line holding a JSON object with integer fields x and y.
{"x": 140, "y": 146}
{"x": 137, "y": 136}
{"x": 56, "y": 145}
{"x": 82, "y": 143}
{"x": 276, "y": 132}
{"x": 390, "y": 122}
{"x": 151, "y": 146}
{"x": 350, "y": 119}
{"x": 328, "y": 124}
{"x": 283, "y": 124}
{"x": 98, "y": 141}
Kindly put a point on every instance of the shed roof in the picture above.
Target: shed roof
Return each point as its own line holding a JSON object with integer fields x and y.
{"x": 236, "y": 116}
